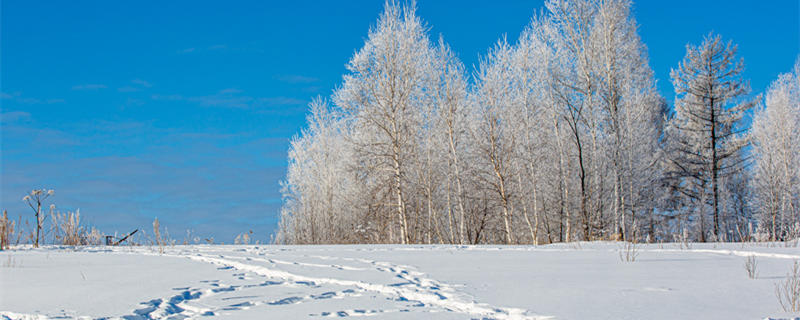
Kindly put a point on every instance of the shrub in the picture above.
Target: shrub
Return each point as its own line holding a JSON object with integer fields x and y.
{"x": 788, "y": 291}
{"x": 751, "y": 266}
{"x": 629, "y": 252}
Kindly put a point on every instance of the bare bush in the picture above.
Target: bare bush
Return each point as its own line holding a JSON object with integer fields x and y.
{"x": 629, "y": 251}
{"x": 751, "y": 265}
{"x": 190, "y": 238}
{"x": 788, "y": 291}
{"x": 10, "y": 262}
{"x": 93, "y": 237}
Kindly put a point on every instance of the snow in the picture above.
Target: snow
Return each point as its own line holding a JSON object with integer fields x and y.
{"x": 561, "y": 281}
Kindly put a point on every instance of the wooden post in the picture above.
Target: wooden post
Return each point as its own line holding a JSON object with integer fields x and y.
{"x": 3, "y": 231}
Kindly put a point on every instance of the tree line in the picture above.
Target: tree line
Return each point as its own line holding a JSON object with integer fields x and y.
{"x": 558, "y": 136}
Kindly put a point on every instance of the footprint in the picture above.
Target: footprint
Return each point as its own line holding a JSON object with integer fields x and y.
{"x": 289, "y": 300}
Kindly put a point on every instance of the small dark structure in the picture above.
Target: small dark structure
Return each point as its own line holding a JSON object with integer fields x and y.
{"x": 125, "y": 237}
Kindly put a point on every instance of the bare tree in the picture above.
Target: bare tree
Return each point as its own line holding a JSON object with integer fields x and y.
{"x": 450, "y": 126}
{"x": 493, "y": 131}
{"x": 574, "y": 89}
{"x": 557, "y": 137}
{"x": 776, "y": 142}
{"x": 384, "y": 93}
{"x": 319, "y": 187}
{"x": 631, "y": 111}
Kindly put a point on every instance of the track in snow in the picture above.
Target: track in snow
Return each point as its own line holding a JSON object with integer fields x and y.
{"x": 431, "y": 282}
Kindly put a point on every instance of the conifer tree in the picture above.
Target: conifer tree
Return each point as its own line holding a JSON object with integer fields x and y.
{"x": 706, "y": 136}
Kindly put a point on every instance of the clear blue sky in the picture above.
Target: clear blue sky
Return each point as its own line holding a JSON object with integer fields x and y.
{"x": 182, "y": 110}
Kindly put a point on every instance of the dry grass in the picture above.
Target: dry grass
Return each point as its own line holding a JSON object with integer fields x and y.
{"x": 162, "y": 239}
{"x": 157, "y": 233}
{"x": 68, "y": 228}
{"x": 243, "y": 238}
{"x": 69, "y": 231}
{"x": 6, "y": 230}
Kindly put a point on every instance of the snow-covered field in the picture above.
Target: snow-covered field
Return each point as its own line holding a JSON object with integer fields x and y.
{"x": 564, "y": 281}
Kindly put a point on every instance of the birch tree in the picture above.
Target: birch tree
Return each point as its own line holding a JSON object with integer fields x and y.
{"x": 574, "y": 89}
{"x": 317, "y": 190}
{"x": 384, "y": 91}
{"x": 557, "y": 137}
{"x": 450, "y": 130}
{"x": 530, "y": 113}
{"x": 494, "y": 137}
{"x": 776, "y": 142}
{"x": 631, "y": 110}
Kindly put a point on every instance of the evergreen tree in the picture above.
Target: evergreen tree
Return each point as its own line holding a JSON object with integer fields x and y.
{"x": 706, "y": 136}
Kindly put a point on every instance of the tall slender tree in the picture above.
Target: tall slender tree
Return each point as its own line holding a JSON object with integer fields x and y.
{"x": 493, "y": 133}
{"x": 707, "y": 137}
{"x": 631, "y": 110}
{"x": 450, "y": 130}
{"x": 385, "y": 92}
{"x": 776, "y": 141}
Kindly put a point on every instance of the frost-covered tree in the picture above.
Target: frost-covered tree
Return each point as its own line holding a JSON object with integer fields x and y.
{"x": 318, "y": 187}
{"x": 449, "y": 131}
{"x": 557, "y": 137}
{"x": 631, "y": 111}
{"x": 530, "y": 115}
{"x": 706, "y": 137}
{"x": 604, "y": 94}
{"x": 386, "y": 91}
{"x": 400, "y": 121}
{"x": 575, "y": 91}
{"x": 776, "y": 146}
{"x": 493, "y": 132}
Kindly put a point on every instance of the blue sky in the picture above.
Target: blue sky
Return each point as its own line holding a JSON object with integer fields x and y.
{"x": 182, "y": 110}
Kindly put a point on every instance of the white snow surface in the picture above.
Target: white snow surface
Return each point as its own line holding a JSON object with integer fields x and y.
{"x": 561, "y": 281}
